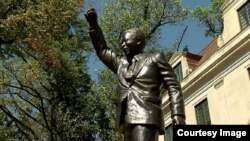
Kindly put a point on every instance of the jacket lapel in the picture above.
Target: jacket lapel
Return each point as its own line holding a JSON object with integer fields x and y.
{"x": 142, "y": 60}
{"x": 122, "y": 70}
{"x": 123, "y": 73}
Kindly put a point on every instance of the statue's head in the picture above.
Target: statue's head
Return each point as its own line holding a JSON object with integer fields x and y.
{"x": 133, "y": 41}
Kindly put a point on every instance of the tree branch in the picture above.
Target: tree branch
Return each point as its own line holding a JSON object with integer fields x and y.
{"x": 33, "y": 105}
{"x": 4, "y": 42}
{"x": 179, "y": 43}
{"x": 145, "y": 9}
{"x": 10, "y": 115}
{"x": 24, "y": 112}
{"x": 24, "y": 133}
{"x": 158, "y": 24}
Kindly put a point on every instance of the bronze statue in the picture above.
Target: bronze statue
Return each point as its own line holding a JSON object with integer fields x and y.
{"x": 140, "y": 76}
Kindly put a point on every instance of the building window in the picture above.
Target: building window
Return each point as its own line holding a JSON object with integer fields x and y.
{"x": 168, "y": 133}
{"x": 244, "y": 15}
{"x": 178, "y": 71}
{"x": 202, "y": 113}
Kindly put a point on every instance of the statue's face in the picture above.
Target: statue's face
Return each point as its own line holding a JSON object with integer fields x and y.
{"x": 130, "y": 43}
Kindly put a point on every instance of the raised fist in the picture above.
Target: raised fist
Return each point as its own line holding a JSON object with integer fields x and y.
{"x": 91, "y": 17}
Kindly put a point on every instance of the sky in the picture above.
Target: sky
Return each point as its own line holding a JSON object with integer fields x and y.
{"x": 194, "y": 37}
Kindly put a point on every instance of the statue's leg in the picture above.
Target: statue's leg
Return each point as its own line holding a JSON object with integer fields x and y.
{"x": 135, "y": 132}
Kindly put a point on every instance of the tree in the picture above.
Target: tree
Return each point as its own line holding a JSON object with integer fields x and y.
{"x": 210, "y": 17}
{"x": 118, "y": 16}
{"x": 6, "y": 131}
{"x": 151, "y": 16}
{"x": 44, "y": 85}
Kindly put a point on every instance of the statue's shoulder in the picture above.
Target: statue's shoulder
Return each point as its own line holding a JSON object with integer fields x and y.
{"x": 157, "y": 56}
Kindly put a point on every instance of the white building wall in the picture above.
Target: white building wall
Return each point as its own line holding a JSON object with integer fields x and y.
{"x": 230, "y": 19}
{"x": 223, "y": 79}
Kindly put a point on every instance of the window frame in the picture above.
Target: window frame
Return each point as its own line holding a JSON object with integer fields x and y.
{"x": 245, "y": 7}
{"x": 203, "y": 114}
{"x": 178, "y": 71}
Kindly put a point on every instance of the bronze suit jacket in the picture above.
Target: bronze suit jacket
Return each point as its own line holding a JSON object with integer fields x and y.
{"x": 139, "y": 88}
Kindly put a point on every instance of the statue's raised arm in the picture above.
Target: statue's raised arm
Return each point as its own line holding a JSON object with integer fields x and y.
{"x": 106, "y": 55}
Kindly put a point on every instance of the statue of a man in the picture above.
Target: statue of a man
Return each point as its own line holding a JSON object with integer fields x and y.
{"x": 140, "y": 76}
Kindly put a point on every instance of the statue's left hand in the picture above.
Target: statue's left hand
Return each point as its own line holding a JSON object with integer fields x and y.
{"x": 178, "y": 120}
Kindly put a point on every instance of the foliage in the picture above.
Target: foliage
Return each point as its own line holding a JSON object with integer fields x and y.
{"x": 150, "y": 16}
{"x": 211, "y": 17}
{"x": 106, "y": 112}
{"x": 118, "y": 16}
{"x": 5, "y": 129}
{"x": 44, "y": 85}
